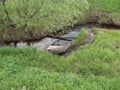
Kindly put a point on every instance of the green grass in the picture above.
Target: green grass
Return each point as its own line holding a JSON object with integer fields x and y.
{"x": 105, "y": 11}
{"x": 108, "y": 6}
{"x": 94, "y": 66}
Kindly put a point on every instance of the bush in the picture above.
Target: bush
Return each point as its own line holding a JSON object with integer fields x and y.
{"x": 45, "y": 14}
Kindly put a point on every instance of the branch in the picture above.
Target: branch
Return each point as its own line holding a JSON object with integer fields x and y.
{"x": 37, "y": 10}
{"x": 5, "y": 10}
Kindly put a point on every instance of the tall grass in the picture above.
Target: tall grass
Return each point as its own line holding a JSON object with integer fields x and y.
{"x": 92, "y": 67}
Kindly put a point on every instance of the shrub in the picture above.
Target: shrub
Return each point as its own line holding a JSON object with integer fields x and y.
{"x": 45, "y": 14}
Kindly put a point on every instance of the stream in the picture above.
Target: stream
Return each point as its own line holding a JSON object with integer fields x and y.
{"x": 60, "y": 42}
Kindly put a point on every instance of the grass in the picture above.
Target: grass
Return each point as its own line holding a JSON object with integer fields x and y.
{"x": 94, "y": 66}
{"x": 108, "y": 6}
{"x": 107, "y": 10}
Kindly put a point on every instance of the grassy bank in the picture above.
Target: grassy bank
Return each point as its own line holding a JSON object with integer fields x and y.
{"x": 108, "y": 6}
{"x": 94, "y": 66}
{"x": 104, "y": 11}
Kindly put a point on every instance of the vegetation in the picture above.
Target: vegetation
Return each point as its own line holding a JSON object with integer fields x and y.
{"x": 92, "y": 67}
{"x": 52, "y": 15}
{"x": 47, "y": 14}
{"x": 108, "y": 6}
{"x": 105, "y": 11}
{"x": 26, "y": 20}
{"x": 41, "y": 17}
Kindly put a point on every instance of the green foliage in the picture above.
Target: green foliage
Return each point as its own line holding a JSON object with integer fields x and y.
{"x": 37, "y": 79}
{"x": 95, "y": 30}
{"x": 47, "y": 14}
{"x": 105, "y": 11}
{"x": 109, "y": 6}
{"x": 82, "y": 36}
{"x": 80, "y": 40}
{"x": 92, "y": 67}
